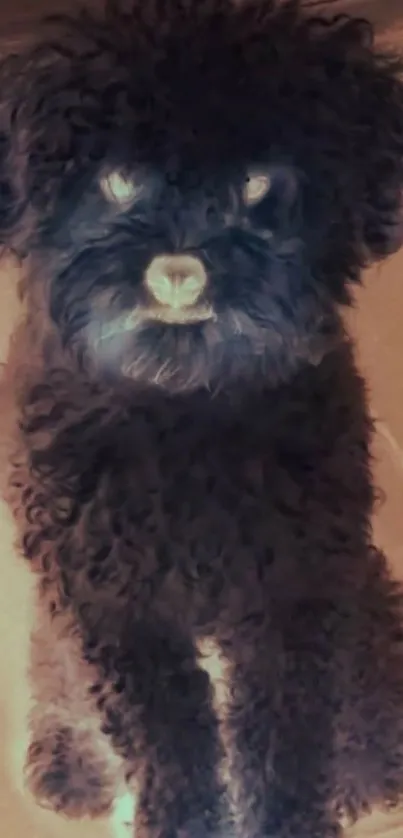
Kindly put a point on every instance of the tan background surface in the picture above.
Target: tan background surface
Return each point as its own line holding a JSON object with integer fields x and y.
{"x": 378, "y": 323}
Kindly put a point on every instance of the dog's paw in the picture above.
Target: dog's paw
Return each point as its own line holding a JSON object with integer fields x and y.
{"x": 67, "y": 779}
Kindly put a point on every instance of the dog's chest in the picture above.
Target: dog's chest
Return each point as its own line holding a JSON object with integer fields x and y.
{"x": 188, "y": 502}
{"x": 178, "y": 515}
{"x": 198, "y": 496}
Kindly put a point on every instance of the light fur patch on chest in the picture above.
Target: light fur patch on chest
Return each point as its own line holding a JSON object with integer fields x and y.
{"x": 218, "y": 667}
{"x": 212, "y": 660}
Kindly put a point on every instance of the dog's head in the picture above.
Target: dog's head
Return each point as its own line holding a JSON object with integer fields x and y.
{"x": 196, "y": 184}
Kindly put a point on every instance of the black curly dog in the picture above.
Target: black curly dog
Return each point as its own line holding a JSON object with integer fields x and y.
{"x": 192, "y": 188}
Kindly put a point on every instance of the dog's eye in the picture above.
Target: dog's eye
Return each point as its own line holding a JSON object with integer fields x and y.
{"x": 119, "y": 189}
{"x": 256, "y": 188}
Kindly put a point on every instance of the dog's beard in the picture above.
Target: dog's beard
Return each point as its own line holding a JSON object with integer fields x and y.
{"x": 204, "y": 351}
{"x": 212, "y": 354}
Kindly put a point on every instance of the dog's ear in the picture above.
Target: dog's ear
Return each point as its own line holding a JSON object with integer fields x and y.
{"x": 12, "y": 199}
{"x": 9, "y": 204}
{"x": 6, "y": 200}
{"x": 4, "y": 181}
{"x": 369, "y": 86}
{"x": 380, "y": 152}
{"x": 36, "y": 93}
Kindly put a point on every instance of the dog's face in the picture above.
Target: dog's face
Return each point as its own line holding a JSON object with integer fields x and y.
{"x": 197, "y": 184}
{"x": 189, "y": 274}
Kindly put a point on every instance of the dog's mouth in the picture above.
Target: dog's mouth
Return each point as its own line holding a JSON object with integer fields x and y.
{"x": 177, "y": 316}
{"x": 142, "y": 316}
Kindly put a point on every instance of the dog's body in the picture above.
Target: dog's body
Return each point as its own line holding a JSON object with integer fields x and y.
{"x": 192, "y": 465}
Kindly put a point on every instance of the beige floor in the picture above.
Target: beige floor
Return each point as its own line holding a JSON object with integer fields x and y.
{"x": 378, "y": 324}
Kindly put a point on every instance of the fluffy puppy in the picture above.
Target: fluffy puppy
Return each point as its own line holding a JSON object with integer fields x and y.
{"x": 192, "y": 188}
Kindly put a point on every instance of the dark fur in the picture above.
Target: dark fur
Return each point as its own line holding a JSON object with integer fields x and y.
{"x": 215, "y": 481}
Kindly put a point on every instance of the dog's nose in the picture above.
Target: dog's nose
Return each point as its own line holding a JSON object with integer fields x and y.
{"x": 176, "y": 281}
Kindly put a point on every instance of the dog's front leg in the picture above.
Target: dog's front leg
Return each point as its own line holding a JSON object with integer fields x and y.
{"x": 157, "y": 711}
{"x": 278, "y": 728}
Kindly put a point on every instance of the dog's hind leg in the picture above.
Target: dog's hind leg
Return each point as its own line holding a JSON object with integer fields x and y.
{"x": 70, "y": 765}
{"x": 369, "y": 734}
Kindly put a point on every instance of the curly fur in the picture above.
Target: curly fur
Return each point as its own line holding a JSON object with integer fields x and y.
{"x": 176, "y": 486}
